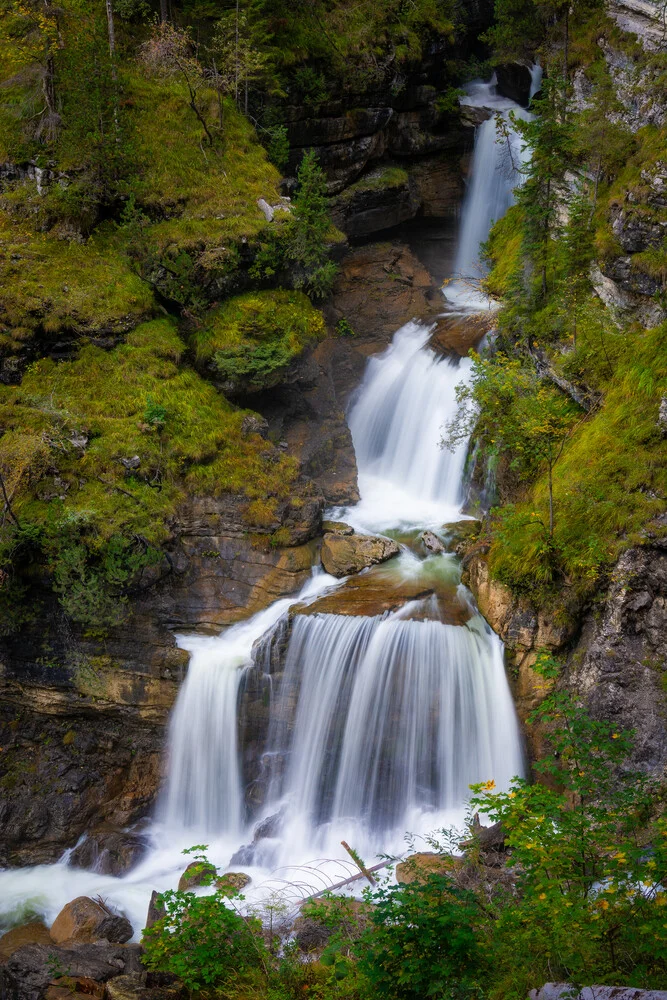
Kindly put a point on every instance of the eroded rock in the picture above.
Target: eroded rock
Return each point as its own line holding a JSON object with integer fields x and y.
{"x": 34, "y": 932}
{"x": 85, "y": 920}
{"x": 345, "y": 554}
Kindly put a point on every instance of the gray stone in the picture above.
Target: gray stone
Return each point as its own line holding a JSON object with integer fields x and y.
{"x": 345, "y": 554}
{"x": 29, "y": 971}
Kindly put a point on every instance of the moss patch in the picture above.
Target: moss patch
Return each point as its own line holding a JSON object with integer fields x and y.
{"x": 75, "y": 422}
{"x": 252, "y": 338}
{"x": 57, "y": 287}
{"x": 379, "y": 180}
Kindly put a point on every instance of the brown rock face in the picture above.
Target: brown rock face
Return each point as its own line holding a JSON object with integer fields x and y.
{"x": 33, "y": 933}
{"x": 83, "y": 921}
{"x": 345, "y": 554}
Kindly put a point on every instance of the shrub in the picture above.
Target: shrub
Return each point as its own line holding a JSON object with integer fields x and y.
{"x": 201, "y": 939}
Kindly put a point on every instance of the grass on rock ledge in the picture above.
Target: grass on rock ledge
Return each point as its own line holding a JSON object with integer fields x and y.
{"x": 252, "y": 338}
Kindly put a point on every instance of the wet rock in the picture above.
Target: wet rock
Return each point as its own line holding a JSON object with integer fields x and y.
{"x": 65, "y": 987}
{"x": 31, "y": 969}
{"x": 514, "y": 81}
{"x": 156, "y": 910}
{"x": 461, "y": 534}
{"x": 109, "y": 851}
{"x": 85, "y": 920}
{"x": 565, "y": 991}
{"x": 266, "y": 830}
{"x": 197, "y": 873}
{"x": 35, "y": 932}
{"x": 232, "y": 883}
{"x": 345, "y": 554}
{"x": 431, "y": 542}
{"x": 336, "y": 528}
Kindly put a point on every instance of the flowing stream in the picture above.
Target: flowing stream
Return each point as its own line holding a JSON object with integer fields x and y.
{"x": 377, "y": 724}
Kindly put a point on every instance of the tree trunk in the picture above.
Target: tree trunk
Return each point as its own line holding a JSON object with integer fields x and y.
{"x": 164, "y": 10}
{"x": 551, "y": 501}
{"x": 566, "y": 47}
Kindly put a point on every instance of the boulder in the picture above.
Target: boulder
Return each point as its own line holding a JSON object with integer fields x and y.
{"x": 32, "y": 969}
{"x": 418, "y": 867}
{"x": 431, "y": 542}
{"x": 67, "y": 986}
{"x": 155, "y": 910}
{"x": 197, "y": 873}
{"x": 109, "y": 851}
{"x": 33, "y": 933}
{"x": 85, "y": 920}
{"x": 232, "y": 883}
{"x": 345, "y": 554}
{"x": 461, "y": 534}
{"x": 336, "y": 528}
{"x": 124, "y": 988}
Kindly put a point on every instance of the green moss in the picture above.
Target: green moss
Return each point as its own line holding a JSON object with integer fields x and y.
{"x": 253, "y": 337}
{"x": 608, "y": 484}
{"x": 386, "y": 178}
{"x": 207, "y": 195}
{"x": 55, "y": 286}
{"x": 102, "y": 397}
{"x": 503, "y": 251}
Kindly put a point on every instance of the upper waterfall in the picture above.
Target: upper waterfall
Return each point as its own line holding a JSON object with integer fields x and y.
{"x": 495, "y": 173}
{"x": 397, "y": 421}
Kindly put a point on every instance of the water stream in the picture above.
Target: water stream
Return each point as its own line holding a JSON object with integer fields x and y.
{"x": 378, "y": 723}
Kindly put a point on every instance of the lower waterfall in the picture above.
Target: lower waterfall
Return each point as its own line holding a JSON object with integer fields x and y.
{"x": 393, "y": 718}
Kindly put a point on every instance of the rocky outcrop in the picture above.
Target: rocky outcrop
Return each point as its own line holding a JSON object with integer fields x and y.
{"x": 619, "y": 663}
{"x": 109, "y": 851}
{"x": 27, "y": 975}
{"x": 614, "y": 656}
{"x": 644, "y": 18}
{"x": 342, "y": 555}
{"x": 85, "y": 920}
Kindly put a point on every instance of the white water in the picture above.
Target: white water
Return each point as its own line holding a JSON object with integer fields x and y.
{"x": 407, "y": 397}
{"x": 495, "y": 173}
{"x": 203, "y": 789}
{"x": 393, "y": 718}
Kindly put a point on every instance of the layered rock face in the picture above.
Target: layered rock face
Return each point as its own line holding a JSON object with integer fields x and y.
{"x": 614, "y": 654}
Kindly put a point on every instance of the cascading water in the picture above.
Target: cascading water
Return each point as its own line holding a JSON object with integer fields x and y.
{"x": 498, "y": 159}
{"x": 378, "y": 724}
{"x": 394, "y": 720}
{"x": 405, "y": 401}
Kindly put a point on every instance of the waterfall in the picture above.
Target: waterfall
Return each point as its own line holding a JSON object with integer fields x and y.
{"x": 495, "y": 172}
{"x": 370, "y": 727}
{"x": 392, "y": 718}
{"x": 536, "y": 74}
{"x": 203, "y": 790}
{"x": 406, "y": 400}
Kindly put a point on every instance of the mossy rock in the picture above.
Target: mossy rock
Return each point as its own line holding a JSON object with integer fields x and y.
{"x": 252, "y": 339}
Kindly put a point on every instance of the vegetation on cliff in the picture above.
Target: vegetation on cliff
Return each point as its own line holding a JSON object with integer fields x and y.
{"x": 586, "y": 204}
